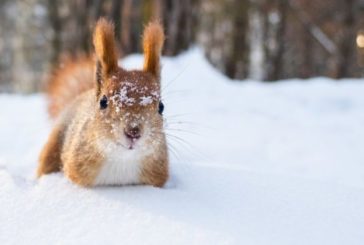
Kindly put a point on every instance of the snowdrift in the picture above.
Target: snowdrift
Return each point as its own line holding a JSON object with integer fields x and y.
{"x": 251, "y": 163}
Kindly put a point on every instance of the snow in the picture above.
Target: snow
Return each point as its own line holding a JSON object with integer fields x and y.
{"x": 146, "y": 100}
{"x": 251, "y": 163}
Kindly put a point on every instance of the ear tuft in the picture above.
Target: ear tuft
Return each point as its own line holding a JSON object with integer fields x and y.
{"x": 153, "y": 39}
{"x": 105, "y": 48}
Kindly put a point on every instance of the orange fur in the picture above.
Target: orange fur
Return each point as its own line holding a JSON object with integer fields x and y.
{"x": 87, "y": 138}
{"x": 153, "y": 39}
{"x": 50, "y": 155}
{"x": 68, "y": 81}
{"x": 105, "y": 47}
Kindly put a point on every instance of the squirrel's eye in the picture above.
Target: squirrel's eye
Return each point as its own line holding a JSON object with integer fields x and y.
{"x": 103, "y": 102}
{"x": 160, "y": 108}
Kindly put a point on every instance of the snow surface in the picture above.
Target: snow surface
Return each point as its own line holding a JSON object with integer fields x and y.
{"x": 251, "y": 163}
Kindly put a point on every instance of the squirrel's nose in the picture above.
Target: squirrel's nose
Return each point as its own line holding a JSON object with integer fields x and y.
{"x": 132, "y": 132}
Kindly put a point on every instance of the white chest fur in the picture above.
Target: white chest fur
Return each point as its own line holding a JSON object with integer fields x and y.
{"x": 121, "y": 166}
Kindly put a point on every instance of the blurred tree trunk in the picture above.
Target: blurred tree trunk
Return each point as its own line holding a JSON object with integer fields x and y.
{"x": 116, "y": 17}
{"x": 307, "y": 55}
{"x": 275, "y": 13}
{"x": 178, "y": 19}
{"x": 30, "y": 45}
{"x": 346, "y": 43}
{"x": 56, "y": 26}
{"x": 281, "y": 28}
{"x": 125, "y": 27}
{"x": 225, "y": 37}
{"x": 264, "y": 39}
{"x": 236, "y": 65}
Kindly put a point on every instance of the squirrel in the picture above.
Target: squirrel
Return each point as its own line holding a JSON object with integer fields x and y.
{"x": 109, "y": 121}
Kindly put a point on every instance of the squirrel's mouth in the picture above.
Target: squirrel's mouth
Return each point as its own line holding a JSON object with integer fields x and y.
{"x": 131, "y": 143}
{"x": 128, "y": 143}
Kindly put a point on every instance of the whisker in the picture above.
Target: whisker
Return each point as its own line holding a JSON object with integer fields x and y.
{"x": 164, "y": 95}
{"x": 177, "y": 115}
{"x": 189, "y": 151}
{"x": 176, "y": 77}
{"x": 181, "y": 141}
{"x": 174, "y": 151}
{"x": 194, "y": 125}
{"x": 183, "y": 131}
{"x": 194, "y": 128}
{"x": 171, "y": 148}
{"x": 183, "y": 122}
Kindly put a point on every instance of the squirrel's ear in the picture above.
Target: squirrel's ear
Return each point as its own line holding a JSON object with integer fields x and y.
{"x": 153, "y": 39}
{"x": 105, "y": 48}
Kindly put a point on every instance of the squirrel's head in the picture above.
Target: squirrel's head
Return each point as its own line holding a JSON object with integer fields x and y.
{"x": 128, "y": 103}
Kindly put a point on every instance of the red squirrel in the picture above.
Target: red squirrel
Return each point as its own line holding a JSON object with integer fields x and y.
{"x": 109, "y": 121}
